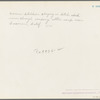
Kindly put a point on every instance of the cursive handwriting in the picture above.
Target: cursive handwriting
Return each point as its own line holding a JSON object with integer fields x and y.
{"x": 47, "y": 19}
{"x": 46, "y": 51}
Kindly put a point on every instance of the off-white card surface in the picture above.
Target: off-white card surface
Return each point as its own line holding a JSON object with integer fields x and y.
{"x": 50, "y": 49}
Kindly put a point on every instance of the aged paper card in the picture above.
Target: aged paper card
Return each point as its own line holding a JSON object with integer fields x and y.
{"x": 50, "y": 49}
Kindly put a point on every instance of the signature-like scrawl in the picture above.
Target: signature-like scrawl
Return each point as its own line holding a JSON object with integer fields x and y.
{"x": 46, "y": 51}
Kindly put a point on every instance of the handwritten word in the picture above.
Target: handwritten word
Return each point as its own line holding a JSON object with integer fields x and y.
{"x": 46, "y": 51}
